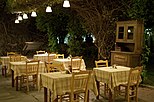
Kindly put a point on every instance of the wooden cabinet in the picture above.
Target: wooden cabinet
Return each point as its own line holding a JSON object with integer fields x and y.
{"x": 129, "y": 41}
{"x": 125, "y": 58}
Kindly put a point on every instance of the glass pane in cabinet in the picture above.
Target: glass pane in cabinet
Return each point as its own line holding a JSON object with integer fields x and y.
{"x": 130, "y": 32}
{"x": 121, "y": 33}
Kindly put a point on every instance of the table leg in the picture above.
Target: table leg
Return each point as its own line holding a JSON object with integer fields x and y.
{"x": 45, "y": 95}
{"x": 5, "y": 71}
{"x": 17, "y": 83}
{"x": 12, "y": 73}
{"x": 98, "y": 87}
{"x": 110, "y": 96}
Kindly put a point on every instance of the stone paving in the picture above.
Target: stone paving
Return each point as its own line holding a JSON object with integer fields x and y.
{"x": 9, "y": 94}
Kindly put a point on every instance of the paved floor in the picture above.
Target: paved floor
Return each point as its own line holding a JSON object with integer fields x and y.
{"x": 8, "y": 94}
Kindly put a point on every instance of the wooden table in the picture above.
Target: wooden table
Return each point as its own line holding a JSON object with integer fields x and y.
{"x": 16, "y": 72}
{"x": 67, "y": 62}
{"x": 59, "y": 83}
{"x": 112, "y": 77}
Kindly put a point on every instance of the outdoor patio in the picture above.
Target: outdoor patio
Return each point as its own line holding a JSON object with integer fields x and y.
{"x": 9, "y": 94}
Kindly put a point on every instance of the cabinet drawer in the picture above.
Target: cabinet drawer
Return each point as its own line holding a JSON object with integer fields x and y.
{"x": 120, "y": 58}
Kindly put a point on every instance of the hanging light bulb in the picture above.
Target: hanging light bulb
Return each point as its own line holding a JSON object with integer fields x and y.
{"x": 16, "y": 21}
{"x": 19, "y": 18}
{"x": 25, "y": 16}
{"x": 33, "y": 14}
{"x": 48, "y": 9}
{"x": 66, "y": 3}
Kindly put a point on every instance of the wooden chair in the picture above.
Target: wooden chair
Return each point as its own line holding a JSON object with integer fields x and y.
{"x": 40, "y": 52}
{"x": 76, "y": 63}
{"x": 79, "y": 85}
{"x": 103, "y": 63}
{"x": 50, "y": 58}
{"x": 12, "y": 58}
{"x": 30, "y": 74}
{"x": 15, "y": 58}
{"x": 4, "y": 68}
{"x": 61, "y": 56}
{"x": 11, "y": 53}
{"x": 54, "y": 67}
{"x": 131, "y": 87}
{"x": 49, "y": 62}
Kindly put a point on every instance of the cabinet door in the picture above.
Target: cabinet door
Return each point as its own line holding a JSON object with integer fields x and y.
{"x": 125, "y": 33}
{"x": 120, "y": 33}
{"x": 130, "y": 33}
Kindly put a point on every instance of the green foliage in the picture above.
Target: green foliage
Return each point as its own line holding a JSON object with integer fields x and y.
{"x": 149, "y": 14}
{"x": 76, "y": 31}
{"x": 52, "y": 43}
{"x": 137, "y": 9}
{"x": 145, "y": 58}
{"x": 55, "y": 25}
{"x": 75, "y": 46}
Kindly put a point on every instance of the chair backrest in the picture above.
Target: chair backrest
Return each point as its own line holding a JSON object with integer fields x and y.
{"x": 32, "y": 67}
{"x": 50, "y": 58}
{"x": 79, "y": 84}
{"x": 134, "y": 76}
{"x": 76, "y": 63}
{"x": 61, "y": 56}
{"x": 54, "y": 67}
{"x": 40, "y": 52}
{"x": 101, "y": 63}
{"x": 15, "y": 58}
{"x": 10, "y": 53}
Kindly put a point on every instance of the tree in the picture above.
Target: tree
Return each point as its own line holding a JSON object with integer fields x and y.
{"x": 55, "y": 25}
{"x": 99, "y": 18}
{"x": 5, "y": 27}
{"x": 76, "y": 32}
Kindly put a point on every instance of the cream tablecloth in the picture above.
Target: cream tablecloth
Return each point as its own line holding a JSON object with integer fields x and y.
{"x": 6, "y": 59}
{"x": 59, "y": 83}
{"x": 17, "y": 66}
{"x": 113, "y": 77}
{"x": 43, "y": 57}
{"x": 67, "y": 62}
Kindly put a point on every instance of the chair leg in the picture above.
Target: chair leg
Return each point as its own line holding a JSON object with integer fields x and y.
{"x": 20, "y": 78}
{"x": 106, "y": 89}
{"x": 127, "y": 94}
{"x": 27, "y": 84}
{"x": 2, "y": 71}
{"x": 116, "y": 92}
{"x": 136, "y": 93}
{"x": 60, "y": 98}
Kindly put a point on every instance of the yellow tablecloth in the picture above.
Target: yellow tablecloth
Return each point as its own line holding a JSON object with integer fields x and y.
{"x": 113, "y": 77}
{"x": 16, "y": 66}
{"x": 43, "y": 57}
{"x": 67, "y": 62}
{"x": 59, "y": 83}
{"x": 6, "y": 59}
